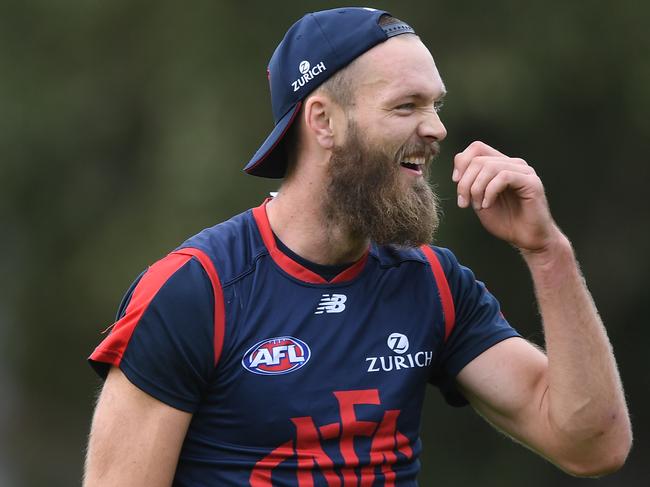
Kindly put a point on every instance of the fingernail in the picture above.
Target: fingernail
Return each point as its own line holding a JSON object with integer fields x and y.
{"x": 461, "y": 201}
{"x": 484, "y": 204}
{"x": 454, "y": 175}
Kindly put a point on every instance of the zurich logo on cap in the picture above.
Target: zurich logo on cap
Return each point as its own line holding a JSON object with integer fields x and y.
{"x": 275, "y": 356}
{"x": 330, "y": 39}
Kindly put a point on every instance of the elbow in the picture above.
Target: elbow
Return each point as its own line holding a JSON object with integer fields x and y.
{"x": 601, "y": 455}
{"x": 595, "y": 468}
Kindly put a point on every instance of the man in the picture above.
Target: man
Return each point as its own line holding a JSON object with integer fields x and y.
{"x": 291, "y": 345}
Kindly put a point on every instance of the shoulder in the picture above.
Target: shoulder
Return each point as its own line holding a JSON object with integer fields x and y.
{"x": 170, "y": 303}
{"x": 232, "y": 246}
{"x": 440, "y": 262}
{"x": 392, "y": 255}
{"x": 177, "y": 275}
{"x": 459, "y": 288}
{"x": 457, "y": 275}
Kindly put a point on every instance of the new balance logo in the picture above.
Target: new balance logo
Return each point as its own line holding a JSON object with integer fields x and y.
{"x": 331, "y": 303}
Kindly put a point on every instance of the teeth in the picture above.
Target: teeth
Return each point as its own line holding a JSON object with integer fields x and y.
{"x": 417, "y": 161}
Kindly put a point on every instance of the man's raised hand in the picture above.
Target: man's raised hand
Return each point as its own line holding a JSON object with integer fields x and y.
{"x": 507, "y": 195}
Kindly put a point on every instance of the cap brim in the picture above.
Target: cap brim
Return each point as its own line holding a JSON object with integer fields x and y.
{"x": 270, "y": 161}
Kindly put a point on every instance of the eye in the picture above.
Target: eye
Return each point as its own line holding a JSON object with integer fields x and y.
{"x": 405, "y": 107}
{"x": 437, "y": 106}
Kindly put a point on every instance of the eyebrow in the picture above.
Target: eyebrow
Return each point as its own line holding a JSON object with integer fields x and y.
{"x": 422, "y": 96}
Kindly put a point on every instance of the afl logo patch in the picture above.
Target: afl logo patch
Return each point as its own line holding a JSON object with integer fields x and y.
{"x": 275, "y": 356}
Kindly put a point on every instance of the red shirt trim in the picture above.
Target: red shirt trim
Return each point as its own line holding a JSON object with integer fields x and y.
{"x": 446, "y": 299}
{"x": 292, "y": 267}
{"x": 219, "y": 307}
{"x": 112, "y": 349}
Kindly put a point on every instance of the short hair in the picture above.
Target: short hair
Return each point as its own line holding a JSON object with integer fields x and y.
{"x": 340, "y": 88}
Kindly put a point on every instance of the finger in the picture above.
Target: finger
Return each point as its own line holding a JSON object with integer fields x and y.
{"x": 464, "y": 185}
{"x": 519, "y": 161}
{"x": 463, "y": 159}
{"x": 502, "y": 181}
{"x": 465, "y": 189}
{"x": 490, "y": 168}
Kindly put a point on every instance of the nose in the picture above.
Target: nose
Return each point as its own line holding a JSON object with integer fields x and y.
{"x": 431, "y": 128}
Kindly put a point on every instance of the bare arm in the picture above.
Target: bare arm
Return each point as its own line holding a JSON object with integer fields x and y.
{"x": 135, "y": 439}
{"x": 568, "y": 406}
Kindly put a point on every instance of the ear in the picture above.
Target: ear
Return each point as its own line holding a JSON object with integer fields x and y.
{"x": 320, "y": 119}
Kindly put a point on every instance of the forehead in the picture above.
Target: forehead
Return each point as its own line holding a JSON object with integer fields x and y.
{"x": 398, "y": 66}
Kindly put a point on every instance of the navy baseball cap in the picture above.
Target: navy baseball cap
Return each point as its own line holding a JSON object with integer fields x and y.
{"x": 313, "y": 49}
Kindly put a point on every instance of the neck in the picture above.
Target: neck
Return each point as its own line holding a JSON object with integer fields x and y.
{"x": 296, "y": 217}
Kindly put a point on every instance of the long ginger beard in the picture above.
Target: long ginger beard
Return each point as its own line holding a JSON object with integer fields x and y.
{"x": 369, "y": 198}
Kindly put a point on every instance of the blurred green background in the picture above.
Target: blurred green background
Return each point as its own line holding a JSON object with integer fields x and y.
{"x": 124, "y": 126}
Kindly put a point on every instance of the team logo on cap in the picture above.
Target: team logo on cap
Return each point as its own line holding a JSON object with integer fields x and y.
{"x": 308, "y": 73}
{"x": 275, "y": 356}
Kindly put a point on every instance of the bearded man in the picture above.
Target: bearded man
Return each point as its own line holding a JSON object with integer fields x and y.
{"x": 292, "y": 344}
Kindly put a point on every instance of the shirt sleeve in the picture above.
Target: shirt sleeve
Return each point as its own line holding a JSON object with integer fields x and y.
{"x": 163, "y": 339}
{"x": 479, "y": 325}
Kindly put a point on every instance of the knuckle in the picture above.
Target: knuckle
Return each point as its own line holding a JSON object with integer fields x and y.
{"x": 481, "y": 163}
{"x": 491, "y": 163}
{"x": 502, "y": 177}
{"x": 477, "y": 144}
{"x": 476, "y": 189}
{"x": 465, "y": 184}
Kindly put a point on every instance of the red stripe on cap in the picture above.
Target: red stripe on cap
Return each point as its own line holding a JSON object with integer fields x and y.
{"x": 112, "y": 348}
{"x": 219, "y": 307}
{"x": 292, "y": 267}
{"x": 447, "y": 301}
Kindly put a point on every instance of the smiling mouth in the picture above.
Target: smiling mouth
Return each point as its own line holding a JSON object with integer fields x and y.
{"x": 415, "y": 164}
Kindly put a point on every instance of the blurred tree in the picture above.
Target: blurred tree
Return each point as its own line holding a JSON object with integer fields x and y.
{"x": 124, "y": 128}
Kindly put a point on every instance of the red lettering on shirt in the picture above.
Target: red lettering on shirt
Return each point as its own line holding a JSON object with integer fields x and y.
{"x": 261, "y": 474}
{"x": 352, "y": 427}
{"x": 382, "y": 450}
{"x": 310, "y": 452}
{"x": 386, "y": 442}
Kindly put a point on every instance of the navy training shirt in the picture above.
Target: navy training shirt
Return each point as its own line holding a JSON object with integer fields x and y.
{"x": 293, "y": 380}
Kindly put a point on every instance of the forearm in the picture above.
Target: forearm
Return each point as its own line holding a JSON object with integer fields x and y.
{"x": 584, "y": 399}
{"x": 569, "y": 406}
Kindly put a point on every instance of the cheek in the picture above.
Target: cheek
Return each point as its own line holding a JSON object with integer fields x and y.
{"x": 375, "y": 123}
{"x": 386, "y": 135}
{"x": 396, "y": 132}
